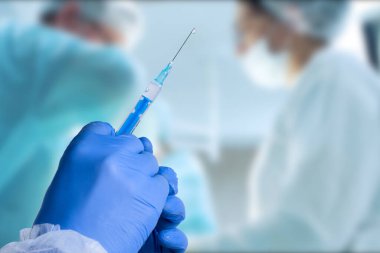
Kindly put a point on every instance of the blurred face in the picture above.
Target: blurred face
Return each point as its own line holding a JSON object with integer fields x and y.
{"x": 69, "y": 20}
{"x": 254, "y": 24}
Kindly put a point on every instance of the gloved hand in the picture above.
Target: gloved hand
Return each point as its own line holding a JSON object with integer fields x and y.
{"x": 166, "y": 237}
{"x": 106, "y": 188}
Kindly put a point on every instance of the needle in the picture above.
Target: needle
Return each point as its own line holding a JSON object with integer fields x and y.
{"x": 184, "y": 43}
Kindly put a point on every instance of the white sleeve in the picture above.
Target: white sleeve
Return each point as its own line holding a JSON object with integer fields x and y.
{"x": 47, "y": 238}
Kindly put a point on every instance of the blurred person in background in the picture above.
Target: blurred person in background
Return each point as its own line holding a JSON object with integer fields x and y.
{"x": 316, "y": 183}
{"x": 106, "y": 22}
{"x": 64, "y": 72}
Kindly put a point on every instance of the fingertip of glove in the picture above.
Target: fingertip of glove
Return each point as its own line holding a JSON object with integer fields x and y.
{"x": 174, "y": 210}
{"x": 171, "y": 177}
{"x": 173, "y": 239}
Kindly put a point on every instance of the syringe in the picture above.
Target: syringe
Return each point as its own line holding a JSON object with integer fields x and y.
{"x": 150, "y": 94}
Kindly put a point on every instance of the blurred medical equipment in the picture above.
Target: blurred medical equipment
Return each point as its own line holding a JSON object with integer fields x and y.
{"x": 149, "y": 95}
{"x": 305, "y": 16}
{"x": 125, "y": 16}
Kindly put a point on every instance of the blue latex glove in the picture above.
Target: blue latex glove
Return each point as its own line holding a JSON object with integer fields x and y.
{"x": 107, "y": 188}
{"x": 166, "y": 237}
{"x": 169, "y": 237}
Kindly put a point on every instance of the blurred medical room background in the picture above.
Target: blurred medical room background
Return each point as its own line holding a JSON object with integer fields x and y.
{"x": 210, "y": 119}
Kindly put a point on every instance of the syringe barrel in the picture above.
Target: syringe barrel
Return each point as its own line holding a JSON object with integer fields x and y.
{"x": 150, "y": 94}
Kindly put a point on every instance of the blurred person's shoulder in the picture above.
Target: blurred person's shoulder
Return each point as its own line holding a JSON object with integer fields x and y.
{"x": 334, "y": 85}
{"x": 26, "y": 46}
{"x": 355, "y": 80}
{"x": 342, "y": 69}
{"x": 342, "y": 76}
{"x": 23, "y": 37}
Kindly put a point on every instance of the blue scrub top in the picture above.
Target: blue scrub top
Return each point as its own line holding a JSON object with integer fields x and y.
{"x": 50, "y": 82}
